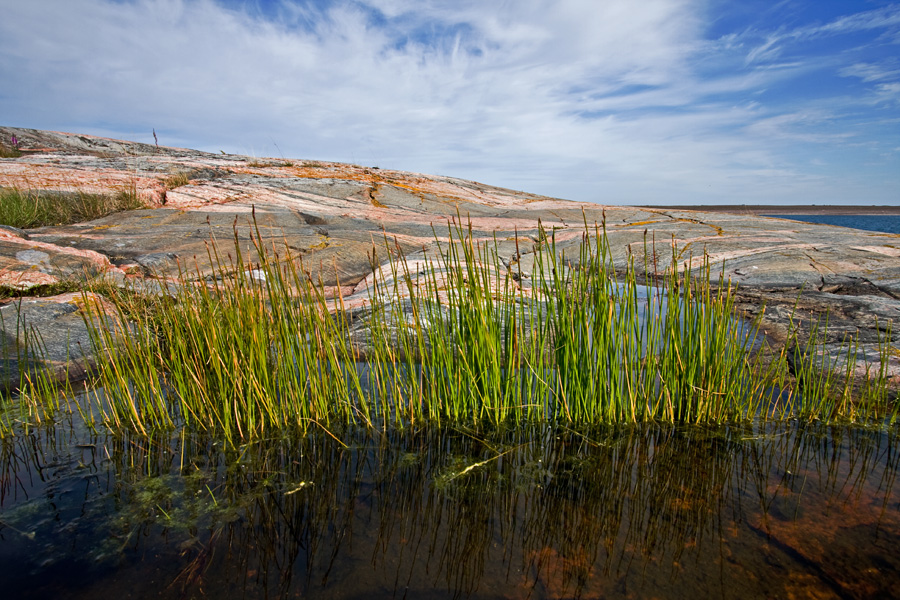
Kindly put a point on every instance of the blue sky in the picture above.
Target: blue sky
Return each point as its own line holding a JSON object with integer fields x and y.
{"x": 609, "y": 101}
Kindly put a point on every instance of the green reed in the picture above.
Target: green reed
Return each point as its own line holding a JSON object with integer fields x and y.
{"x": 255, "y": 349}
{"x": 579, "y": 345}
{"x": 459, "y": 336}
{"x": 40, "y": 393}
{"x": 825, "y": 384}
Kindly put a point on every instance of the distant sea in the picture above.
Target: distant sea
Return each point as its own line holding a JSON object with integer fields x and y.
{"x": 880, "y": 223}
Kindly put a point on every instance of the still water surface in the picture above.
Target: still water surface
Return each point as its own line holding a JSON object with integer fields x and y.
{"x": 759, "y": 511}
{"x": 880, "y": 223}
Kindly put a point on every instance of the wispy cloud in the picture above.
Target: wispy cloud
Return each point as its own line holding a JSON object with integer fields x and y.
{"x": 881, "y": 18}
{"x": 574, "y": 98}
{"x": 774, "y": 43}
{"x": 872, "y": 72}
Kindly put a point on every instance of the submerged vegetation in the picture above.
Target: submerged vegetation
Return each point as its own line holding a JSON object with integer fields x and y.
{"x": 33, "y": 208}
{"x": 463, "y": 338}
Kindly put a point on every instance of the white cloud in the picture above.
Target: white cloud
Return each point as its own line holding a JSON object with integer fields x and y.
{"x": 879, "y": 18}
{"x": 884, "y": 75}
{"x": 572, "y": 97}
{"x": 870, "y": 71}
{"x": 804, "y": 126}
{"x": 889, "y": 92}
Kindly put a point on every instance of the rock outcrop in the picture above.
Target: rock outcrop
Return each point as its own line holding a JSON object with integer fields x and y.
{"x": 333, "y": 215}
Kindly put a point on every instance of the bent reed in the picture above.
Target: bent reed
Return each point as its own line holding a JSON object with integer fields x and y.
{"x": 460, "y": 337}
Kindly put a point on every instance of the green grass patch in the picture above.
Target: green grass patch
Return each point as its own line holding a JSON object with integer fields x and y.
{"x": 6, "y": 152}
{"x": 27, "y": 209}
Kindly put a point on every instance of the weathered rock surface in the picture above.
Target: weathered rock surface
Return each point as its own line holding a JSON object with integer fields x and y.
{"x": 334, "y": 214}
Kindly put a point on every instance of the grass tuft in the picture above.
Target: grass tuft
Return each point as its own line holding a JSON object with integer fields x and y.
{"x": 27, "y": 209}
{"x": 6, "y": 152}
{"x": 178, "y": 179}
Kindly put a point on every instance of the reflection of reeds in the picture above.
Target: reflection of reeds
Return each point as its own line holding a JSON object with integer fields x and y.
{"x": 462, "y": 337}
{"x": 561, "y": 510}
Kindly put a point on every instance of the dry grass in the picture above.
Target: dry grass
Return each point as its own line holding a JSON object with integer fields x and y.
{"x": 266, "y": 164}
{"x": 177, "y": 180}
{"x": 27, "y": 209}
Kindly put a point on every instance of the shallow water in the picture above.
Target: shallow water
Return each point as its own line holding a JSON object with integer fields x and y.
{"x": 540, "y": 512}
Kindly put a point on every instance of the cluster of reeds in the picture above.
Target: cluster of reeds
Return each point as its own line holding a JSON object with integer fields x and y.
{"x": 460, "y": 336}
{"x": 576, "y": 342}
{"x": 828, "y": 386}
{"x": 27, "y": 209}
{"x": 254, "y": 350}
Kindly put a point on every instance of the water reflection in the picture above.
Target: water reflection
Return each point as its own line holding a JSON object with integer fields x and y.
{"x": 533, "y": 513}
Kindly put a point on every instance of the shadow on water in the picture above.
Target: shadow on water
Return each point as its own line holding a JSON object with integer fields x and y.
{"x": 542, "y": 512}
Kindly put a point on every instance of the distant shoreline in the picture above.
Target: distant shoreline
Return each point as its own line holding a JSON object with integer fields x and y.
{"x": 797, "y": 209}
